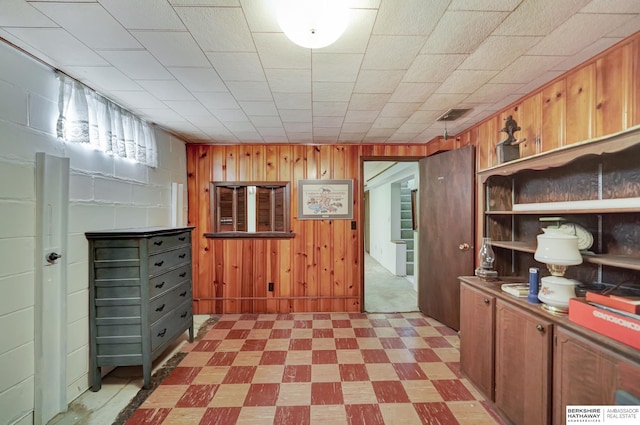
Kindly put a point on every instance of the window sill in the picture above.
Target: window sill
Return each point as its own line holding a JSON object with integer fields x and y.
{"x": 246, "y": 235}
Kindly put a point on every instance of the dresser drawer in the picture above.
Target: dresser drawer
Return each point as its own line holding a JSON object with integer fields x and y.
{"x": 161, "y": 284}
{"x": 165, "y": 242}
{"x": 169, "y": 300}
{"x": 161, "y": 262}
{"x": 164, "y": 330}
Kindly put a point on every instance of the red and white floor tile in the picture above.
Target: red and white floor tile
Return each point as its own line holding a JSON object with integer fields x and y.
{"x": 323, "y": 368}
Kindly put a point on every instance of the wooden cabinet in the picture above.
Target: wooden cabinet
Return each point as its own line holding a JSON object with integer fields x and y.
{"x": 477, "y": 324}
{"x": 595, "y": 184}
{"x": 140, "y": 295}
{"x": 523, "y": 365}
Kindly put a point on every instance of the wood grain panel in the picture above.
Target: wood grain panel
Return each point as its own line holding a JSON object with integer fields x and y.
{"x": 581, "y": 104}
{"x": 530, "y": 122}
{"x": 610, "y": 85}
{"x": 633, "y": 111}
{"x": 553, "y": 116}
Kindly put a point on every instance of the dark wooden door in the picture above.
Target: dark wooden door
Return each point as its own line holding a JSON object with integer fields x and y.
{"x": 446, "y": 236}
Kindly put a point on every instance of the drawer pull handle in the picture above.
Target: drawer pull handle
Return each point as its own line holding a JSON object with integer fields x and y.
{"x": 540, "y": 328}
{"x": 159, "y": 263}
{"x": 158, "y": 243}
{"x": 486, "y": 301}
{"x": 161, "y": 334}
{"x": 183, "y": 315}
{"x": 181, "y": 238}
{"x": 159, "y": 285}
{"x": 182, "y": 294}
{"x": 160, "y": 308}
{"x": 183, "y": 274}
{"x": 182, "y": 255}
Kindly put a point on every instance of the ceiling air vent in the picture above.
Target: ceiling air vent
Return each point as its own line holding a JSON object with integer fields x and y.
{"x": 453, "y": 114}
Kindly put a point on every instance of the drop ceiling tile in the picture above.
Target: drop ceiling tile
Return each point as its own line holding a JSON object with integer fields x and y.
{"x": 379, "y": 132}
{"x": 399, "y": 109}
{"x": 199, "y": 79}
{"x": 187, "y": 107}
{"x": 266, "y": 121}
{"x": 577, "y": 33}
{"x": 442, "y": 101}
{"x": 361, "y": 116}
{"x": 413, "y": 92}
{"x": 248, "y": 136}
{"x": 477, "y": 26}
{"x": 137, "y": 99}
{"x": 492, "y": 93}
{"x": 275, "y": 140}
{"x": 547, "y": 15}
{"x": 205, "y": 122}
{"x": 320, "y": 131}
{"x": 137, "y": 64}
{"x": 346, "y": 137}
{"x": 327, "y": 122}
{"x": 90, "y": 23}
{"x": 103, "y": 77}
{"x": 300, "y": 137}
{"x": 230, "y": 115}
{"x": 239, "y": 126}
{"x": 292, "y": 100}
{"x": 335, "y": 66}
{"x": 260, "y": 16}
{"x": 332, "y": 92}
{"x": 289, "y": 80}
{"x": 259, "y": 108}
{"x": 177, "y": 49}
{"x": 237, "y": 66}
{"x": 218, "y": 29}
{"x": 388, "y": 122}
{"x": 355, "y": 127}
{"x": 496, "y": 52}
{"x": 392, "y": 52}
{"x": 295, "y": 115}
{"x": 506, "y": 101}
{"x": 217, "y": 100}
{"x": 272, "y": 132}
{"x": 297, "y": 127}
{"x": 608, "y": 6}
{"x": 250, "y": 90}
{"x": 18, "y": 13}
{"x": 356, "y": 36}
{"x": 494, "y": 5}
{"x": 525, "y": 69}
{"x": 413, "y": 18}
{"x": 585, "y": 54}
{"x": 378, "y": 81}
{"x": 542, "y": 79}
{"x": 465, "y": 81}
{"x": 144, "y": 14}
{"x": 368, "y": 102}
{"x": 58, "y": 45}
{"x": 161, "y": 115}
{"x": 330, "y": 109}
{"x": 414, "y": 128}
{"x": 631, "y": 27}
{"x": 402, "y": 137}
{"x": 276, "y": 51}
{"x": 432, "y": 68}
{"x": 423, "y": 117}
{"x": 166, "y": 89}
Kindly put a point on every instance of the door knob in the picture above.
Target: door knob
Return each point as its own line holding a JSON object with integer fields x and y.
{"x": 52, "y": 257}
{"x": 464, "y": 247}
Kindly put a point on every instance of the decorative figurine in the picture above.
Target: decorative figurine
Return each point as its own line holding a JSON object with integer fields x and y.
{"x": 508, "y": 150}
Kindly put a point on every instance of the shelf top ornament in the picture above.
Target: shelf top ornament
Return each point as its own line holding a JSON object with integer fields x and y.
{"x": 507, "y": 149}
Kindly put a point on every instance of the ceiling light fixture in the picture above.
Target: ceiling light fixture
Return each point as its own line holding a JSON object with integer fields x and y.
{"x": 313, "y": 23}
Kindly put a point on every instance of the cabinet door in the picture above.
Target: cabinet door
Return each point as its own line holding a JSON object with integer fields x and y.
{"x": 523, "y": 365}
{"x": 477, "y": 317}
{"x": 583, "y": 374}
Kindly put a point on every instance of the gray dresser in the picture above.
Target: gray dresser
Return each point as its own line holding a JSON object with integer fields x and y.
{"x": 140, "y": 296}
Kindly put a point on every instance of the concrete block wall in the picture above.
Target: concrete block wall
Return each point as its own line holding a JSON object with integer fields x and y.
{"x": 105, "y": 193}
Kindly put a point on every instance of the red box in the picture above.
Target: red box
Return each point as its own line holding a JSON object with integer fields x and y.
{"x": 615, "y": 326}
{"x": 620, "y": 303}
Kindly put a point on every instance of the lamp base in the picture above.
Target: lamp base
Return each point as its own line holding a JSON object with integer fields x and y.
{"x": 486, "y": 274}
{"x": 555, "y": 292}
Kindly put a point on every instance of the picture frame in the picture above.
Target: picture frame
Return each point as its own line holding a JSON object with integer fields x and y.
{"x": 325, "y": 199}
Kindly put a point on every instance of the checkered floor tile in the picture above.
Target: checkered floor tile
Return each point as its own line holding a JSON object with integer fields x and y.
{"x": 312, "y": 369}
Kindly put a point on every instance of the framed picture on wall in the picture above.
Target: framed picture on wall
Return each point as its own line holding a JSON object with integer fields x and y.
{"x": 325, "y": 199}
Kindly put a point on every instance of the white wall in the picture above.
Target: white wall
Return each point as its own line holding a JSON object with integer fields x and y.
{"x": 105, "y": 192}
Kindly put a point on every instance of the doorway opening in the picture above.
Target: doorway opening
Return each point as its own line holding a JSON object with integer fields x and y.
{"x": 390, "y": 235}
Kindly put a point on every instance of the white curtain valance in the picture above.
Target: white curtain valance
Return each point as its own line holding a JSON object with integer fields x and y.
{"x": 87, "y": 117}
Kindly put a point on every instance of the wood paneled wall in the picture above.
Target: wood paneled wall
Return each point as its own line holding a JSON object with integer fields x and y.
{"x": 318, "y": 270}
{"x": 598, "y": 98}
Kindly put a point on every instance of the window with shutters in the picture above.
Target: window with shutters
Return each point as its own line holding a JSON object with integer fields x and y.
{"x": 250, "y": 210}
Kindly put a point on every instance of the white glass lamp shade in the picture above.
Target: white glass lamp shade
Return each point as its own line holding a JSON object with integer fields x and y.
{"x": 558, "y": 249}
{"x": 313, "y": 23}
